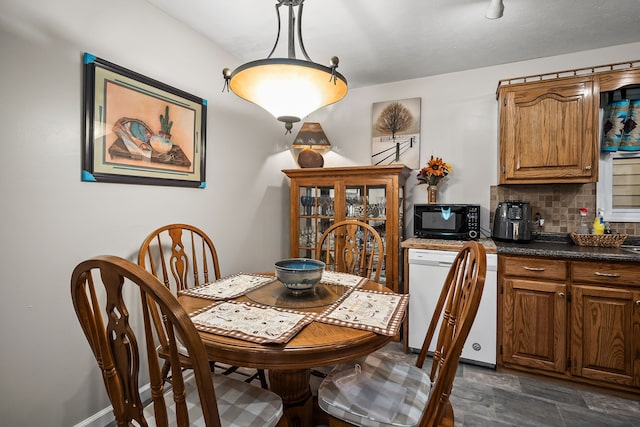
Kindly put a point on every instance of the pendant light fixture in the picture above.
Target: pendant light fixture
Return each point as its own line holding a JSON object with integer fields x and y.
{"x": 288, "y": 88}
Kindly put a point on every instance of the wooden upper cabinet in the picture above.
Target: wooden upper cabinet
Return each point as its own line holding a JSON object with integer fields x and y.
{"x": 609, "y": 81}
{"x": 548, "y": 131}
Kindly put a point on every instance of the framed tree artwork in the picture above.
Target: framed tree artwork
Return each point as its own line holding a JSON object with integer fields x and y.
{"x": 140, "y": 131}
{"x": 395, "y": 133}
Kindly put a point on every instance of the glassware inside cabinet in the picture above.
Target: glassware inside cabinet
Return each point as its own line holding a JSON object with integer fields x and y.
{"x": 316, "y": 214}
{"x": 376, "y": 202}
{"x": 354, "y": 199}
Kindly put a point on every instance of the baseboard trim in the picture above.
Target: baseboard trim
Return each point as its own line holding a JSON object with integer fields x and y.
{"x": 105, "y": 417}
{"x": 99, "y": 419}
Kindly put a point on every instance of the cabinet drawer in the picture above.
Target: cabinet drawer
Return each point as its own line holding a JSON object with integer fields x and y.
{"x": 539, "y": 268}
{"x": 606, "y": 273}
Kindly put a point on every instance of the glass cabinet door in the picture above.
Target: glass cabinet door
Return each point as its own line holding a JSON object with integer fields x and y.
{"x": 368, "y": 203}
{"x": 317, "y": 213}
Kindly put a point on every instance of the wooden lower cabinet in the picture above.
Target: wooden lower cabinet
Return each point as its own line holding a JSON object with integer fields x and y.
{"x": 576, "y": 320}
{"x": 534, "y": 324}
{"x": 605, "y": 329}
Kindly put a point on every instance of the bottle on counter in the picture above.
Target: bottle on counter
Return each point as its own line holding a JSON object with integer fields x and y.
{"x": 583, "y": 228}
{"x": 598, "y": 223}
{"x": 607, "y": 228}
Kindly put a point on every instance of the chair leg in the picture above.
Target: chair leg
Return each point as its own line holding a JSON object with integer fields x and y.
{"x": 448, "y": 417}
{"x": 318, "y": 374}
{"x": 166, "y": 367}
{"x": 230, "y": 370}
{"x": 260, "y": 375}
{"x": 263, "y": 379}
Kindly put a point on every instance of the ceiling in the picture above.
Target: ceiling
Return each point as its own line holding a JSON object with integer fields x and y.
{"x": 381, "y": 41}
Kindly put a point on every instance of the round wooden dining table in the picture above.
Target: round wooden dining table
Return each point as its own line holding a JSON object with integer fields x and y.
{"x": 289, "y": 365}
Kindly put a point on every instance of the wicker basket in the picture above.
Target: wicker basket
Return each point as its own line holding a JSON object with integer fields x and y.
{"x": 600, "y": 240}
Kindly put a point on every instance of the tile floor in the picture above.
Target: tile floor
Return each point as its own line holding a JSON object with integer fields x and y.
{"x": 482, "y": 397}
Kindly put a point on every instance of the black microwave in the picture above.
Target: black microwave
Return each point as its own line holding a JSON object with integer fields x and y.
{"x": 437, "y": 221}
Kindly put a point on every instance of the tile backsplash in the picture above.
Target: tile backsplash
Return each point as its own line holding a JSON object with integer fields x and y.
{"x": 558, "y": 204}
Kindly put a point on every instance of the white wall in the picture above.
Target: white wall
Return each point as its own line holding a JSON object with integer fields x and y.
{"x": 51, "y": 220}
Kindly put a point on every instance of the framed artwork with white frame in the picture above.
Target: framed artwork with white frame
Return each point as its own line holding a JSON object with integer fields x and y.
{"x": 395, "y": 133}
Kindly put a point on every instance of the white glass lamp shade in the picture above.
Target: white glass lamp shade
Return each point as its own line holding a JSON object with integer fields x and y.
{"x": 289, "y": 89}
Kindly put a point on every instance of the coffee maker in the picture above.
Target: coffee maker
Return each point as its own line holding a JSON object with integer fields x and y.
{"x": 512, "y": 221}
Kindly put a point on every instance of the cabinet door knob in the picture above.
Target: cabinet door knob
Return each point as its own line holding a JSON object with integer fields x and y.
{"x": 561, "y": 294}
{"x": 587, "y": 168}
{"x": 638, "y": 303}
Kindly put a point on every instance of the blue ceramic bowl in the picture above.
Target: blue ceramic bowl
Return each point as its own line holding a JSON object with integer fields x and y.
{"x": 299, "y": 274}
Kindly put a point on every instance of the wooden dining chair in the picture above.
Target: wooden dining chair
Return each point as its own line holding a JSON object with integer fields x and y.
{"x": 379, "y": 391}
{"x": 354, "y": 247}
{"x": 116, "y": 302}
{"x": 183, "y": 256}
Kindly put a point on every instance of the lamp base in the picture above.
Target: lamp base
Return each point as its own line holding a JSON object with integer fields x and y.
{"x": 309, "y": 158}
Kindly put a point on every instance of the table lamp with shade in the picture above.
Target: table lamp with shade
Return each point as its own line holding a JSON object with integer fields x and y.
{"x": 311, "y": 143}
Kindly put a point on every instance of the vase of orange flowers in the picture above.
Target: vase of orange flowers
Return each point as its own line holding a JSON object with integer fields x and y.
{"x": 435, "y": 170}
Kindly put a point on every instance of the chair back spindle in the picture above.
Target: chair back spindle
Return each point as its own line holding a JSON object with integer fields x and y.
{"x": 353, "y": 247}
{"x": 181, "y": 256}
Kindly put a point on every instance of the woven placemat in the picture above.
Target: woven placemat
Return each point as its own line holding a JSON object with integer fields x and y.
{"x": 251, "y": 322}
{"x": 229, "y": 287}
{"x": 379, "y": 312}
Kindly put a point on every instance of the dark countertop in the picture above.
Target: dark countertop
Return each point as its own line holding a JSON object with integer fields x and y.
{"x": 550, "y": 245}
{"x": 568, "y": 251}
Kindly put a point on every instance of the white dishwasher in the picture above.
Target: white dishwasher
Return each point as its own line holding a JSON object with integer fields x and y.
{"x": 428, "y": 270}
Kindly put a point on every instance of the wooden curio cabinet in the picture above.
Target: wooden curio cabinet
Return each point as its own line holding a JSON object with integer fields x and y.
{"x": 374, "y": 194}
{"x": 548, "y": 131}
